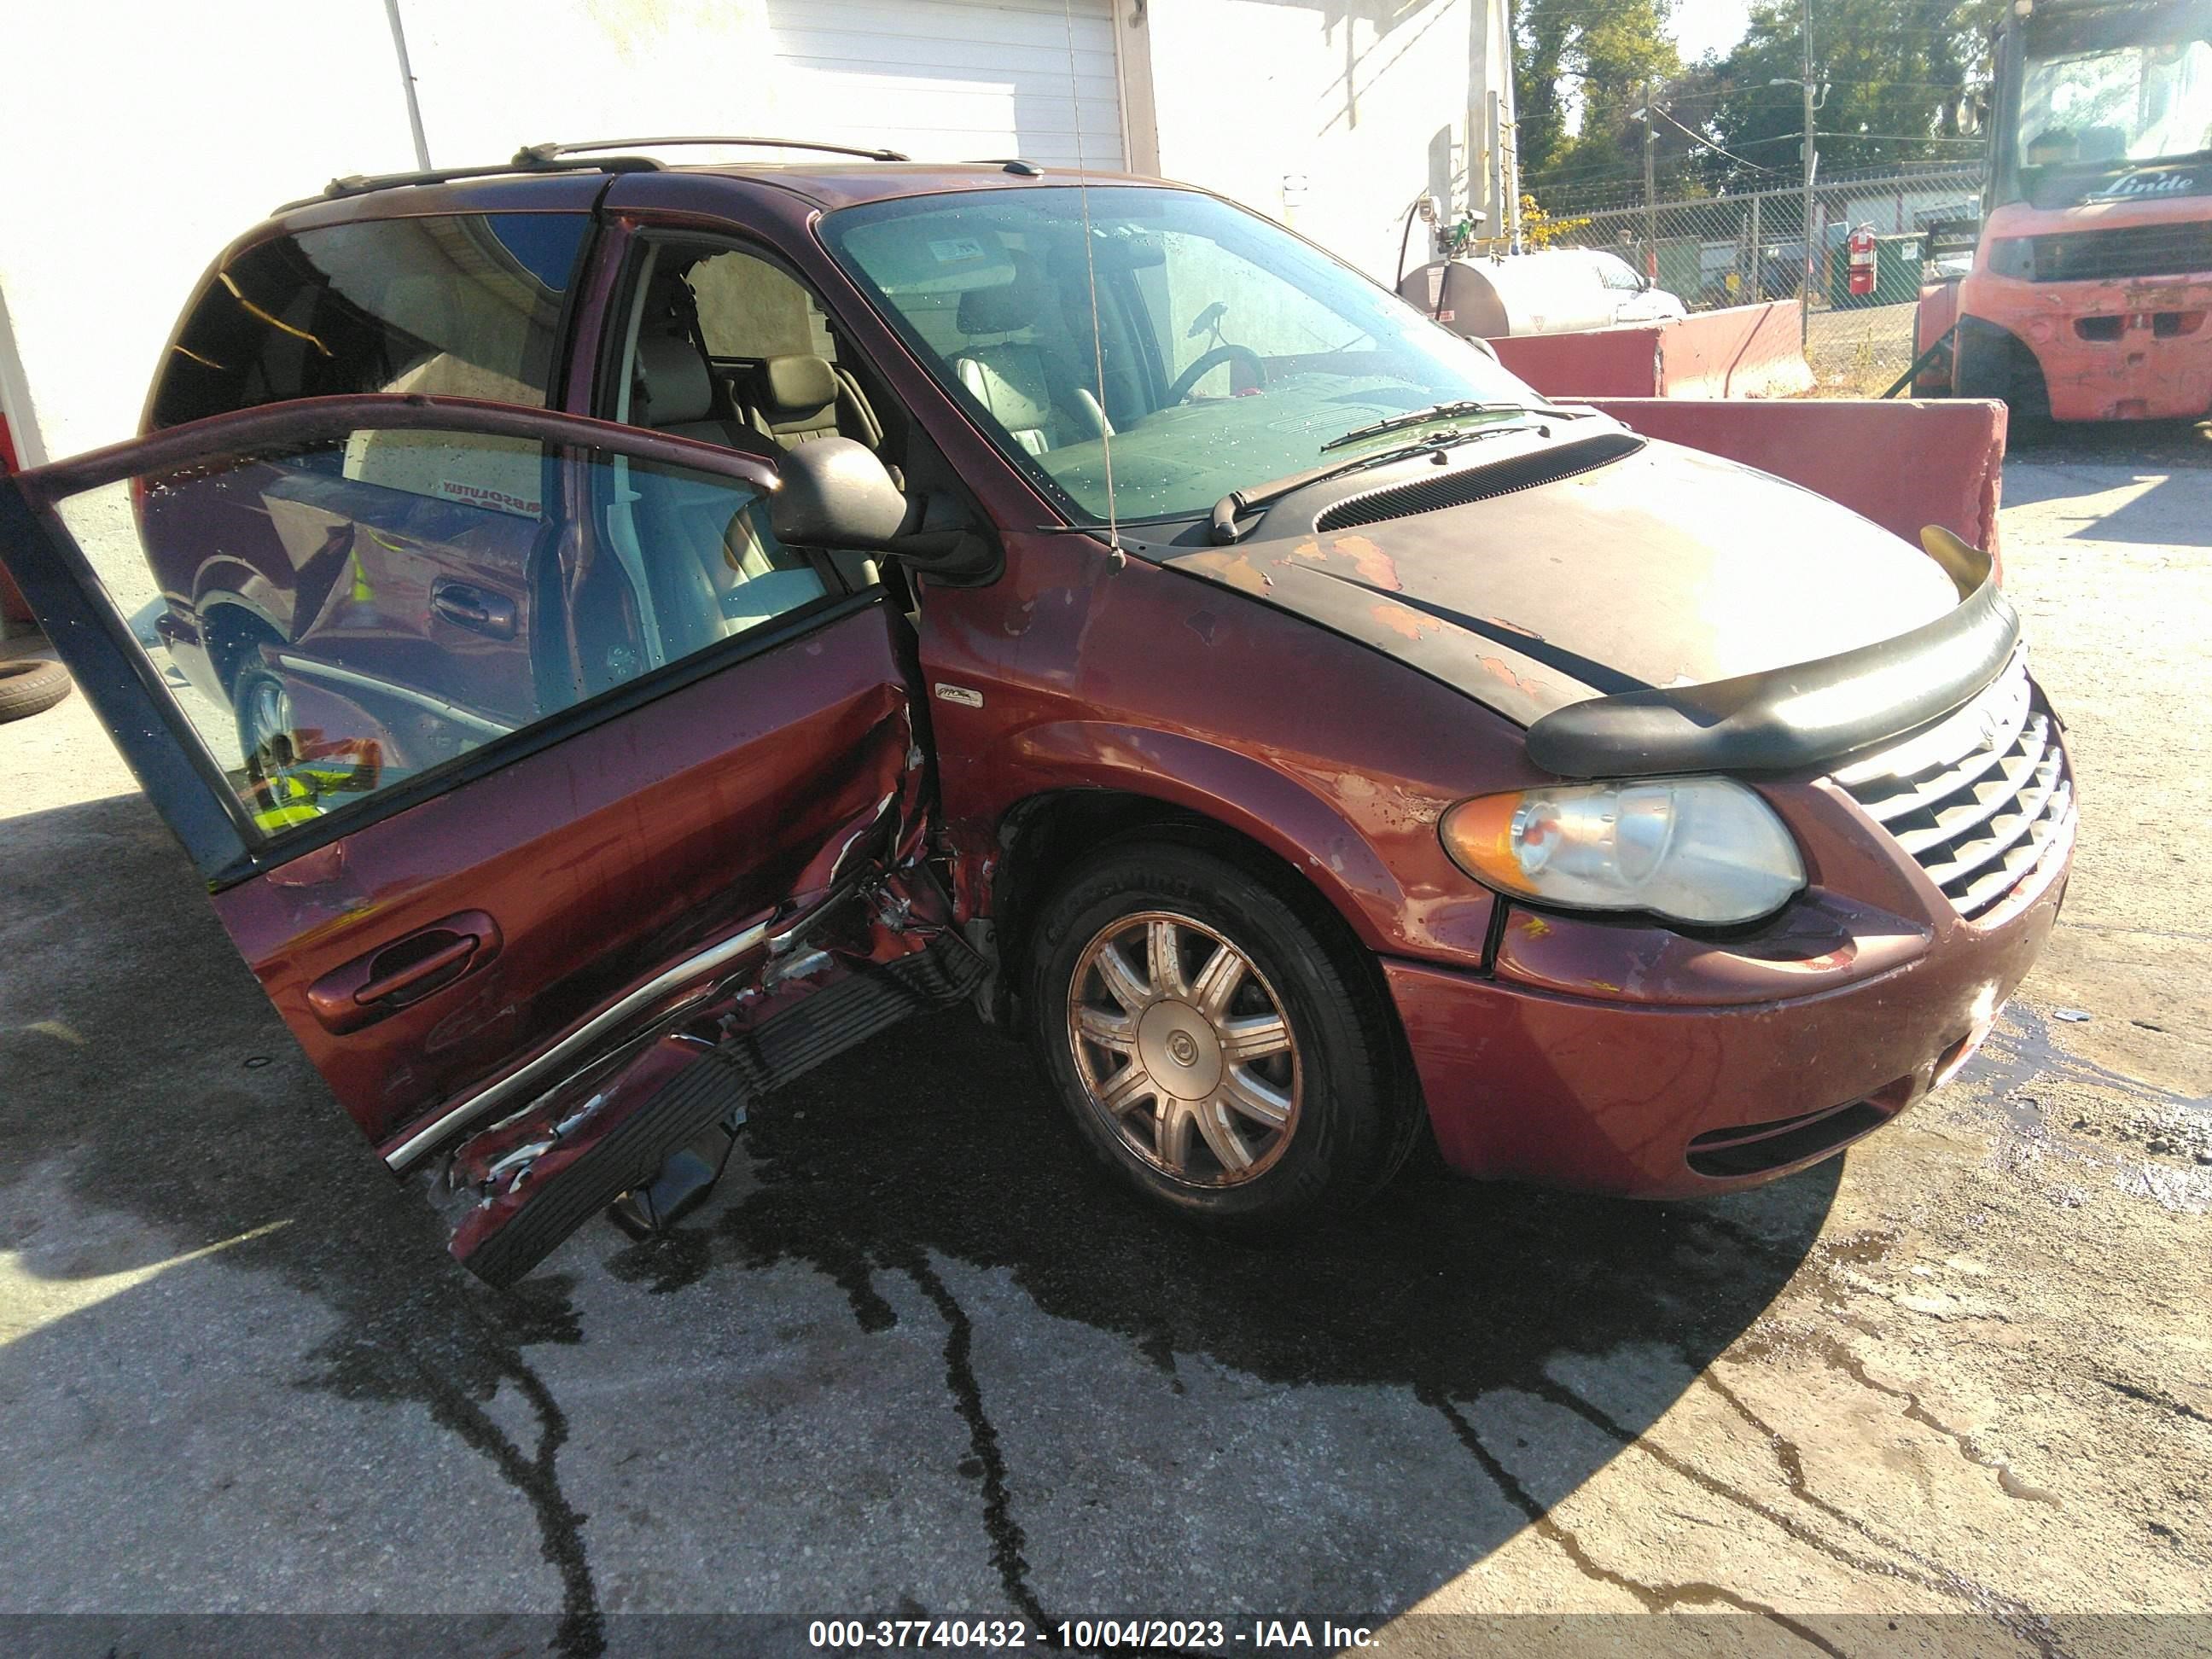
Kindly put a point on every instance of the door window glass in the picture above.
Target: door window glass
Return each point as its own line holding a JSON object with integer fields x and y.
{"x": 462, "y": 305}
{"x": 375, "y": 604}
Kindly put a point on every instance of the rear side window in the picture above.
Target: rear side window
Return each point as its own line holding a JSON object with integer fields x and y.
{"x": 465, "y": 305}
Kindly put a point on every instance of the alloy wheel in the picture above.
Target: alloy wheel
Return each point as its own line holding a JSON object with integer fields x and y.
{"x": 1184, "y": 1048}
{"x": 265, "y": 724}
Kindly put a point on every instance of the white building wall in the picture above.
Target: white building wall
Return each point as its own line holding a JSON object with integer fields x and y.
{"x": 491, "y": 74}
{"x": 1329, "y": 115}
{"x": 141, "y": 135}
{"x": 147, "y": 135}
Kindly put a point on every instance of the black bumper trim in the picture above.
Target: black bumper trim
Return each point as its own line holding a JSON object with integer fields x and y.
{"x": 1786, "y": 719}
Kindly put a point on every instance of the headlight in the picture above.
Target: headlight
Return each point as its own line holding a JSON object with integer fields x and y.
{"x": 2013, "y": 256}
{"x": 1704, "y": 850}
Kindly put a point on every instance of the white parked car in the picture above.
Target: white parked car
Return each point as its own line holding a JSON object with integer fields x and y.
{"x": 1635, "y": 300}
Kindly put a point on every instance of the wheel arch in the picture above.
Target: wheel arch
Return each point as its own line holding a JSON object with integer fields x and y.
{"x": 231, "y": 627}
{"x": 1108, "y": 780}
{"x": 1989, "y": 360}
{"x": 1052, "y": 832}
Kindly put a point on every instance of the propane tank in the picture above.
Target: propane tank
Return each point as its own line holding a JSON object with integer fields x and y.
{"x": 1863, "y": 267}
{"x": 1488, "y": 299}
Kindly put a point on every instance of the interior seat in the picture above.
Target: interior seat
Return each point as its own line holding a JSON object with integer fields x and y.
{"x": 793, "y": 398}
{"x": 711, "y": 557}
{"x": 1017, "y": 380}
{"x": 2105, "y": 143}
{"x": 672, "y": 391}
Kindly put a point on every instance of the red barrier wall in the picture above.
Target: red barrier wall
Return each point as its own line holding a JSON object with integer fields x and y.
{"x": 1744, "y": 351}
{"x": 1903, "y": 465}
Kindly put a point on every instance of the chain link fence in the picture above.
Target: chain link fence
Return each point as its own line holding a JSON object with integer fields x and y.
{"x": 1735, "y": 250}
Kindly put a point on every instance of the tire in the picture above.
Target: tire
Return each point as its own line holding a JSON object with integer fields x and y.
{"x": 263, "y": 710}
{"x": 1986, "y": 362}
{"x": 1315, "y": 1125}
{"x": 30, "y": 685}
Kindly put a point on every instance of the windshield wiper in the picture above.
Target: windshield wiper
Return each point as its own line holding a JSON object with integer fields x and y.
{"x": 1257, "y": 497}
{"x": 1434, "y": 412}
{"x": 1238, "y": 502}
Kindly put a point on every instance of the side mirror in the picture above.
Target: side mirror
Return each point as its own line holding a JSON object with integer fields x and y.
{"x": 835, "y": 495}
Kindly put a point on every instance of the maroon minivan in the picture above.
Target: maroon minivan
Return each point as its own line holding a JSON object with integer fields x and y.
{"x": 627, "y": 633}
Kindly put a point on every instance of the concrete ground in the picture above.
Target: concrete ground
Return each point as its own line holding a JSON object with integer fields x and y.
{"x": 1952, "y": 1393}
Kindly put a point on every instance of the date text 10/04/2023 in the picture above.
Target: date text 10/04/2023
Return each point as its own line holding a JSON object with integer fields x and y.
{"x": 1092, "y": 1635}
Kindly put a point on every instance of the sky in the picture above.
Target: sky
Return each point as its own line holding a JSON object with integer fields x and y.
{"x": 1703, "y": 25}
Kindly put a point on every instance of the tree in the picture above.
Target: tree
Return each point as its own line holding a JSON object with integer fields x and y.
{"x": 1899, "y": 80}
{"x": 1540, "y": 229}
{"x": 1596, "y": 56}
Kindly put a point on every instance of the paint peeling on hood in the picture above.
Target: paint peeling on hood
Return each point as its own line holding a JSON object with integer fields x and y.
{"x": 1664, "y": 568}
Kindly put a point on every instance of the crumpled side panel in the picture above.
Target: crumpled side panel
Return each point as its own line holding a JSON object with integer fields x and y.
{"x": 868, "y": 938}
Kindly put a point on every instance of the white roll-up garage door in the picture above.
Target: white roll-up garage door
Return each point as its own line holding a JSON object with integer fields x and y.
{"x": 953, "y": 80}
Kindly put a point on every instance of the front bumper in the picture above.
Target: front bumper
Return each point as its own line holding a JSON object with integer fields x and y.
{"x": 2135, "y": 349}
{"x": 1646, "y": 1084}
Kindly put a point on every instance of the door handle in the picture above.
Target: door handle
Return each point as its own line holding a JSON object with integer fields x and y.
{"x": 403, "y": 971}
{"x": 466, "y": 605}
{"x": 394, "y": 986}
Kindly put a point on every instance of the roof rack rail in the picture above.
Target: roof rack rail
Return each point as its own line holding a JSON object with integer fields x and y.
{"x": 360, "y": 184}
{"x": 540, "y": 154}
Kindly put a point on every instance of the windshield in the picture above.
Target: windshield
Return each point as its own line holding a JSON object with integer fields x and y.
{"x": 1228, "y": 352}
{"x": 2106, "y": 91}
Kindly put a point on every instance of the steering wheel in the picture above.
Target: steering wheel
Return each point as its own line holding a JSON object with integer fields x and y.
{"x": 1210, "y": 360}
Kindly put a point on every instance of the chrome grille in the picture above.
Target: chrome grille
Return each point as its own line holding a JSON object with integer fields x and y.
{"x": 1977, "y": 798}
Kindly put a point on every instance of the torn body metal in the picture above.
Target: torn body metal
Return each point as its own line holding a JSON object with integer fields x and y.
{"x": 868, "y": 939}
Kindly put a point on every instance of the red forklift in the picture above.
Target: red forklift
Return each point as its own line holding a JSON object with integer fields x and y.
{"x": 2092, "y": 274}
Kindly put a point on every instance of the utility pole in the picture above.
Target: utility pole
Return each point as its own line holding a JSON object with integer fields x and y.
{"x": 1498, "y": 175}
{"x": 1805, "y": 297}
{"x": 1650, "y": 192}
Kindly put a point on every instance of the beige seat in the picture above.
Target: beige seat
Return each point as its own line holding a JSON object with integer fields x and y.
{"x": 1014, "y": 379}
{"x": 792, "y": 399}
{"x": 672, "y": 391}
{"x": 704, "y": 560}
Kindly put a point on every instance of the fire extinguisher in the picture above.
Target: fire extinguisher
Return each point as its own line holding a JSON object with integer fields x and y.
{"x": 1861, "y": 248}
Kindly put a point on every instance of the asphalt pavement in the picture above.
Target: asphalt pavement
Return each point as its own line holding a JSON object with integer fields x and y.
{"x": 915, "y": 1361}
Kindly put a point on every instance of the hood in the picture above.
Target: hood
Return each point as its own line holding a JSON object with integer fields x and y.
{"x": 1647, "y": 567}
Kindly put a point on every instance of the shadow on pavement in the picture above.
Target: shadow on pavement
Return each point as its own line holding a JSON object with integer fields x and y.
{"x": 2143, "y": 446}
{"x": 142, "y": 1064}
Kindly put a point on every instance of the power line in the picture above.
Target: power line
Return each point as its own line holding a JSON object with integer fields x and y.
{"x": 1819, "y": 137}
{"x": 1970, "y": 83}
{"x": 1586, "y": 169}
{"x": 1709, "y": 145}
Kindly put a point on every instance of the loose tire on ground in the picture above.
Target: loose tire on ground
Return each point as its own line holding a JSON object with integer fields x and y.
{"x": 29, "y": 685}
{"x": 1318, "y": 1122}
